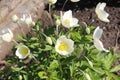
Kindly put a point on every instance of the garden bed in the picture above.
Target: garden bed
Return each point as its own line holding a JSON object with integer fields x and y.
{"x": 85, "y": 12}
{"x": 51, "y": 65}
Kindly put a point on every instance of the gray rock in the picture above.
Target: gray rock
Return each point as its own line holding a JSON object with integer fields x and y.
{"x": 8, "y": 8}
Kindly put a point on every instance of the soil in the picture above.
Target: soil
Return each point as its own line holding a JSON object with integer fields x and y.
{"x": 84, "y": 10}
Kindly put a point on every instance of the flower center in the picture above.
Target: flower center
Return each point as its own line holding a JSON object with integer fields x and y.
{"x": 62, "y": 47}
{"x": 67, "y": 21}
{"x": 24, "y": 51}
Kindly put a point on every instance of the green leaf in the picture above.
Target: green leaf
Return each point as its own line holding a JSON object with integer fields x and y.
{"x": 53, "y": 75}
{"x": 33, "y": 39}
{"x": 53, "y": 65}
{"x": 99, "y": 70}
{"x": 93, "y": 75}
{"x": 42, "y": 75}
{"x": 75, "y": 36}
{"x": 21, "y": 38}
{"x": 108, "y": 61}
{"x": 33, "y": 45}
{"x": 47, "y": 48}
{"x": 115, "y": 69}
{"x": 16, "y": 69}
{"x": 25, "y": 77}
{"x": 112, "y": 76}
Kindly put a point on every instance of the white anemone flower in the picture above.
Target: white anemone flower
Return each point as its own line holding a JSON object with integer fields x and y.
{"x": 67, "y": 20}
{"x": 74, "y": 0}
{"x": 7, "y": 35}
{"x": 101, "y": 13}
{"x": 22, "y": 52}
{"x": 27, "y": 19}
{"x": 64, "y": 46}
{"x": 97, "y": 43}
{"x": 52, "y": 1}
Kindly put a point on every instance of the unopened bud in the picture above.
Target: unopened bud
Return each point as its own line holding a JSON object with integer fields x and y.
{"x": 14, "y": 18}
{"x": 87, "y": 76}
{"x": 58, "y": 22}
{"x": 49, "y": 40}
{"x": 20, "y": 77}
{"x": 88, "y": 30}
{"x": 33, "y": 23}
{"x": 52, "y": 1}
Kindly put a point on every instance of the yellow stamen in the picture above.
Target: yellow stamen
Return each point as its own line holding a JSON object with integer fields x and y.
{"x": 62, "y": 47}
{"x": 67, "y": 21}
{"x": 24, "y": 51}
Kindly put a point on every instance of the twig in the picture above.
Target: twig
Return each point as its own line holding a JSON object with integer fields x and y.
{"x": 116, "y": 41}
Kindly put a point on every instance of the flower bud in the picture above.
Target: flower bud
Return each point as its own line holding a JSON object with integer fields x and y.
{"x": 52, "y": 1}
{"x": 33, "y": 23}
{"x": 87, "y": 30}
{"x": 58, "y": 22}
{"x": 20, "y": 77}
{"x": 87, "y": 76}
{"x": 49, "y": 40}
{"x": 14, "y": 18}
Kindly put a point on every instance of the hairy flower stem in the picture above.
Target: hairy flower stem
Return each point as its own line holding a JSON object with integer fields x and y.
{"x": 64, "y": 4}
{"x": 34, "y": 58}
{"x": 15, "y": 41}
{"x": 50, "y": 17}
{"x": 50, "y": 9}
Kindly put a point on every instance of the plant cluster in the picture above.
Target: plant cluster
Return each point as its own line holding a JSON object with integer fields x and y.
{"x": 65, "y": 51}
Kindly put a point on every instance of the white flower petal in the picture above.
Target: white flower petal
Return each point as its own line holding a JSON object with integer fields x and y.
{"x": 99, "y": 45}
{"x": 11, "y": 33}
{"x": 102, "y": 15}
{"x": 75, "y": 0}
{"x": 100, "y": 6}
{"x": 67, "y": 14}
{"x": 52, "y": 1}
{"x": 22, "y": 52}
{"x": 97, "y": 33}
{"x": 74, "y": 22}
{"x": 64, "y": 46}
{"x": 15, "y": 18}
{"x": 27, "y": 19}
{"x": 7, "y": 36}
{"x": 67, "y": 20}
{"x": 23, "y": 18}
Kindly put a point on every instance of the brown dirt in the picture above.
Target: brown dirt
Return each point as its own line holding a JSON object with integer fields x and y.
{"x": 85, "y": 12}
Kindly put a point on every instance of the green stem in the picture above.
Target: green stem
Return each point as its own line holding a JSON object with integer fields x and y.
{"x": 64, "y": 4}
{"x": 60, "y": 66}
{"x": 34, "y": 58}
